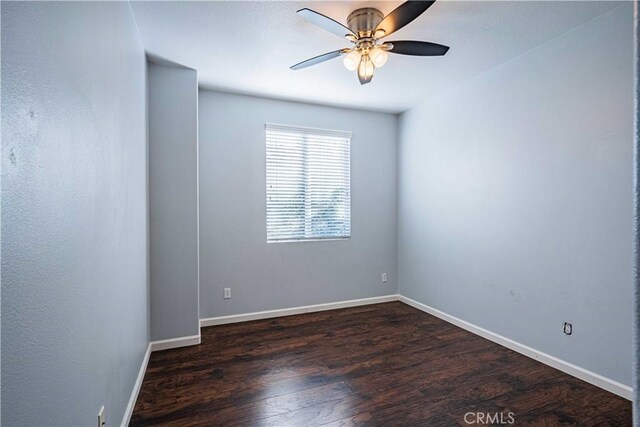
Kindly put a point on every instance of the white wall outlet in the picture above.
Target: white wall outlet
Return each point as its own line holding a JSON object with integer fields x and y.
{"x": 567, "y": 328}
{"x": 102, "y": 420}
{"x": 227, "y": 293}
{"x": 384, "y": 277}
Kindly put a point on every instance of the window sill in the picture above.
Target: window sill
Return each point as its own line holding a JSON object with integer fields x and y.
{"x": 332, "y": 239}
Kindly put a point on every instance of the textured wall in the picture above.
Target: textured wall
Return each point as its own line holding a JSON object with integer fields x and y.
{"x": 173, "y": 204}
{"x": 234, "y": 252}
{"x": 74, "y": 227}
{"x": 516, "y": 198}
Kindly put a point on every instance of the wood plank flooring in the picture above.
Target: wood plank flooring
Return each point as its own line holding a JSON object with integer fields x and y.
{"x": 385, "y": 364}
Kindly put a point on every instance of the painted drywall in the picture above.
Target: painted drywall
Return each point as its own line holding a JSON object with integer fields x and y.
{"x": 74, "y": 219}
{"x": 516, "y": 198}
{"x": 234, "y": 251}
{"x": 173, "y": 200}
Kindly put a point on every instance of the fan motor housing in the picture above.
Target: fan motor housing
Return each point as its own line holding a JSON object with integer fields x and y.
{"x": 363, "y": 21}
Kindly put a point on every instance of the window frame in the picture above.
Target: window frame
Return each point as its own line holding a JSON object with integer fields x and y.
{"x": 306, "y": 131}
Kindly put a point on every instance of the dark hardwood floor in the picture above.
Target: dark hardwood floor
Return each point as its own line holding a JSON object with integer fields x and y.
{"x": 384, "y": 364}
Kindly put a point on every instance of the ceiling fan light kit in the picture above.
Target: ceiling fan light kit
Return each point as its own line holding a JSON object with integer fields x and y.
{"x": 365, "y": 29}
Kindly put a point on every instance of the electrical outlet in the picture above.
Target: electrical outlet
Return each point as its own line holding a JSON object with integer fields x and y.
{"x": 227, "y": 293}
{"x": 102, "y": 420}
{"x": 384, "y": 277}
{"x": 567, "y": 328}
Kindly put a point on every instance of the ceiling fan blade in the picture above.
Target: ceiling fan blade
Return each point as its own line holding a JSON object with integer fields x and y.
{"x": 317, "y": 59}
{"x": 402, "y": 15}
{"x": 325, "y": 22}
{"x": 416, "y": 48}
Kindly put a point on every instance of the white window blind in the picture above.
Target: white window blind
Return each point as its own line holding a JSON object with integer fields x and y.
{"x": 308, "y": 184}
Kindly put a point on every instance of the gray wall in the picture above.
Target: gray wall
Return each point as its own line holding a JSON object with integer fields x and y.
{"x": 173, "y": 201}
{"x": 234, "y": 252}
{"x": 516, "y": 198}
{"x": 74, "y": 221}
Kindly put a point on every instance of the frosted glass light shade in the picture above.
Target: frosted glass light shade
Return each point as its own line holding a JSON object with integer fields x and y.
{"x": 379, "y": 56}
{"x": 351, "y": 60}
{"x": 365, "y": 69}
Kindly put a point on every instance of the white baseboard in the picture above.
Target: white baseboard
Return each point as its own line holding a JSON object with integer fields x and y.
{"x": 174, "y": 343}
{"x": 136, "y": 388}
{"x": 235, "y": 318}
{"x": 153, "y": 346}
{"x": 569, "y": 368}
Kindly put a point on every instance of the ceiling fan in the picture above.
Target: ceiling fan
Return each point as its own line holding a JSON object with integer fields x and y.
{"x": 366, "y": 27}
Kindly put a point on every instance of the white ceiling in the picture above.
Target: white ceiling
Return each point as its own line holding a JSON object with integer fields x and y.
{"x": 248, "y": 47}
